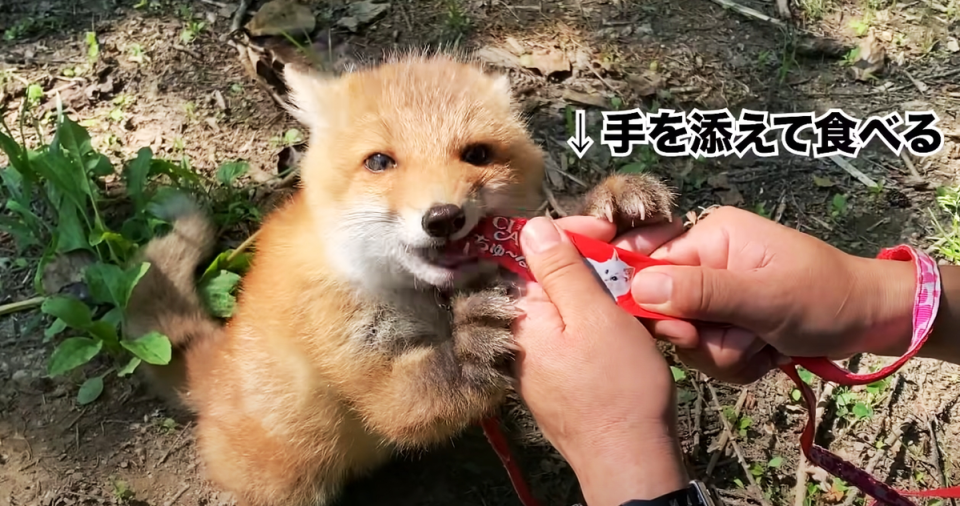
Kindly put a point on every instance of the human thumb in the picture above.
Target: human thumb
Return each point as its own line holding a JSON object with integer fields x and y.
{"x": 558, "y": 267}
{"x": 697, "y": 293}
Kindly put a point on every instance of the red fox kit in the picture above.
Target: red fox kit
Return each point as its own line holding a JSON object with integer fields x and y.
{"x": 354, "y": 334}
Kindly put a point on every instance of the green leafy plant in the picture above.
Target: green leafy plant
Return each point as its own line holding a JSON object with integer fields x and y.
{"x": 54, "y": 205}
{"x": 192, "y": 30}
{"x": 645, "y": 160}
{"x": 678, "y": 373}
{"x": 93, "y": 46}
{"x": 805, "y": 376}
{"x": 946, "y": 240}
{"x": 137, "y": 54}
{"x": 291, "y": 137}
{"x": 838, "y": 206}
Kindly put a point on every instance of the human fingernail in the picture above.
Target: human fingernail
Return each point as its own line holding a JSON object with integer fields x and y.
{"x": 651, "y": 287}
{"x": 539, "y": 235}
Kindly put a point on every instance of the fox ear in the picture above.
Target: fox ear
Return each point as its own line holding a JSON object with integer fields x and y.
{"x": 503, "y": 89}
{"x": 308, "y": 94}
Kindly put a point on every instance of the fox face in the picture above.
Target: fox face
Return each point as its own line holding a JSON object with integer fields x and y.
{"x": 404, "y": 158}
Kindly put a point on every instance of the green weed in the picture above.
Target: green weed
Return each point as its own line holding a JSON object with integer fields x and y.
{"x": 93, "y": 46}
{"x": 839, "y": 206}
{"x": 862, "y": 26}
{"x": 645, "y": 159}
{"x": 814, "y": 9}
{"x": 946, "y": 241}
{"x": 456, "y": 22}
{"x": 55, "y": 204}
{"x": 137, "y": 54}
{"x": 291, "y": 137}
{"x": 192, "y": 30}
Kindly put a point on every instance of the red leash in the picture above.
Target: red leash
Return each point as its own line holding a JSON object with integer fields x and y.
{"x": 498, "y": 239}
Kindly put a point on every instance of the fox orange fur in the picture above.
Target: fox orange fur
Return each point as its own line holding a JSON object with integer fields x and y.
{"x": 354, "y": 334}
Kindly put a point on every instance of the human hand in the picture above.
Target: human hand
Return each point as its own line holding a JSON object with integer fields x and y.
{"x": 784, "y": 292}
{"x": 592, "y": 375}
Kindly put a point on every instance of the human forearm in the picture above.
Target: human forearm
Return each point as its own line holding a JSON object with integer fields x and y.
{"x": 617, "y": 473}
{"x": 889, "y": 289}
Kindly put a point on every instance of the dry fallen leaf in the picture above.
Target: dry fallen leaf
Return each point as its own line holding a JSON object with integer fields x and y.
{"x": 870, "y": 59}
{"x": 953, "y": 46}
{"x": 278, "y": 17}
{"x": 553, "y": 173}
{"x": 498, "y": 57}
{"x": 64, "y": 270}
{"x": 822, "y": 182}
{"x": 515, "y": 46}
{"x": 833, "y": 495}
{"x": 731, "y": 197}
{"x": 585, "y": 98}
{"x": 548, "y": 61}
{"x": 362, "y": 13}
{"x": 719, "y": 181}
{"x": 647, "y": 83}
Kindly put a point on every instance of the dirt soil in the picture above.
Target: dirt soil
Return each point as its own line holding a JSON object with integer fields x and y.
{"x": 153, "y": 86}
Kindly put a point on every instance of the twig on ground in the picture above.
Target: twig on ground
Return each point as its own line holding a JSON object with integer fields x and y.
{"x": 553, "y": 200}
{"x": 684, "y": 89}
{"x": 288, "y": 179}
{"x": 853, "y": 171}
{"x": 920, "y": 86}
{"x": 406, "y": 18}
{"x": 602, "y": 80}
{"x": 725, "y": 437}
{"x": 177, "y": 495}
{"x": 23, "y": 305}
{"x": 878, "y": 223}
{"x": 909, "y": 163}
{"x": 542, "y": 208}
{"x": 564, "y": 172}
{"x": 781, "y": 207}
{"x": 892, "y": 443}
{"x": 783, "y": 8}
{"x": 243, "y": 246}
{"x": 237, "y": 18}
{"x": 697, "y": 412}
{"x": 218, "y": 4}
{"x": 936, "y": 457}
{"x": 747, "y": 11}
{"x": 800, "y": 491}
{"x": 177, "y": 444}
{"x": 58, "y": 89}
{"x": 735, "y": 497}
{"x": 736, "y": 447}
{"x": 188, "y": 51}
{"x": 820, "y": 222}
{"x": 915, "y": 181}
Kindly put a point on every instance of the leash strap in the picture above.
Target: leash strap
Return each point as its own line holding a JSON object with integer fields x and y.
{"x": 498, "y": 239}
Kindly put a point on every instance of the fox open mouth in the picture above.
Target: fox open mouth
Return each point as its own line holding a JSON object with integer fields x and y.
{"x": 446, "y": 257}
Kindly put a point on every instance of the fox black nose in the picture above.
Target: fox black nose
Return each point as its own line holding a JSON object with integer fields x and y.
{"x": 444, "y": 220}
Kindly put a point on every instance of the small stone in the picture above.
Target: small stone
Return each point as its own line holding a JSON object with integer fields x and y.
{"x": 22, "y": 377}
{"x": 953, "y": 46}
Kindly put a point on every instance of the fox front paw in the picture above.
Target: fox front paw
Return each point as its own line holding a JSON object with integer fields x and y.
{"x": 483, "y": 337}
{"x": 630, "y": 200}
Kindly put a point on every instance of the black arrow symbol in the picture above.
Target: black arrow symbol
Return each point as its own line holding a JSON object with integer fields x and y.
{"x": 580, "y": 142}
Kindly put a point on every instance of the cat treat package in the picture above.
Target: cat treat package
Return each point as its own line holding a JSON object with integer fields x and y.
{"x": 497, "y": 238}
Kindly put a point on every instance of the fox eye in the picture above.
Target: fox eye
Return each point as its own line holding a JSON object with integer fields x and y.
{"x": 379, "y": 162}
{"x": 478, "y": 154}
